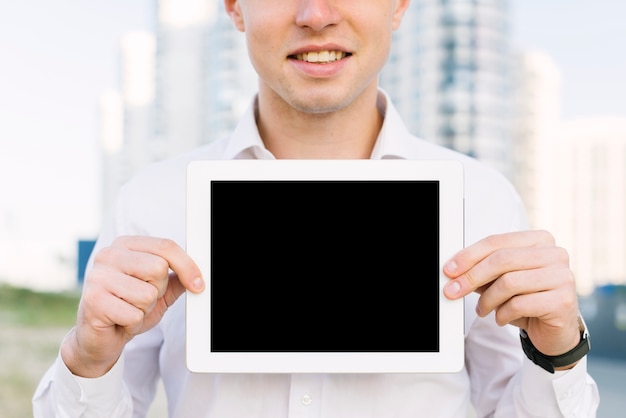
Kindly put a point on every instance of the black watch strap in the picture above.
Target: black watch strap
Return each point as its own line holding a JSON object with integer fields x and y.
{"x": 549, "y": 363}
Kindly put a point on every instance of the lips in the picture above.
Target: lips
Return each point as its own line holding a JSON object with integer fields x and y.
{"x": 320, "y": 57}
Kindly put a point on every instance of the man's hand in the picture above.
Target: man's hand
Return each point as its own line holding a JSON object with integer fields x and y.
{"x": 131, "y": 285}
{"x": 525, "y": 278}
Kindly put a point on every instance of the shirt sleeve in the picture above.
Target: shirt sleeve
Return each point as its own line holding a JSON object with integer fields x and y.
{"x": 570, "y": 393}
{"x": 62, "y": 394}
{"x": 506, "y": 384}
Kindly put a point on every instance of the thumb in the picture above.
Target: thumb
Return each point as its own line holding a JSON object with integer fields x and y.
{"x": 175, "y": 288}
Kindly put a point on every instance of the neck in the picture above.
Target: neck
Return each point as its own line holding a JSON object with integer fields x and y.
{"x": 348, "y": 133}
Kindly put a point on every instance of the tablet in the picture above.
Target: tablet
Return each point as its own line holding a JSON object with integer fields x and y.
{"x": 324, "y": 266}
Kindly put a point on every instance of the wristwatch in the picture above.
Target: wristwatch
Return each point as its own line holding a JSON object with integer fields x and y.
{"x": 549, "y": 363}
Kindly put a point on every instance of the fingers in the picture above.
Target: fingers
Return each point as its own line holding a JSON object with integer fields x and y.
{"x": 171, "y": 256}
{"x": 127, "y": 317}
{"x": 143, "y": 272}
{"x": 534, "y": 293}
{"x": 475, "y": 267}
{"x": 526, "y": 280}
{"x": 115, "y": 264}
{"x": 139, "y": 293}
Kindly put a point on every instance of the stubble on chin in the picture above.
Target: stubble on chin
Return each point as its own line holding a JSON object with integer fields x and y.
{"x": 318, "y": 103}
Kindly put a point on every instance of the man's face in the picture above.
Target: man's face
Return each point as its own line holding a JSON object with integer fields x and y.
{"x": 317, "y": 55}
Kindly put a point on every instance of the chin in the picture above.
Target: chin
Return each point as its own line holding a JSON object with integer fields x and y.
{"x": 321, "y": 104}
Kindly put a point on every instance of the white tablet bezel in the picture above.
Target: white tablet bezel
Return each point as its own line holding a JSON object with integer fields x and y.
{"x": 449, "y": 174}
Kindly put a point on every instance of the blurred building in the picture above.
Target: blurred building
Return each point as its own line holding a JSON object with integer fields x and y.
{"x": 449, "y": 75}
{"x": 127, "y": 116}
{"x": 182, "y": 64}
{"x": 138, "y": 81}
{"x": 536, "y": 119}
{"x": 589, "y": 201}
{"x": 182, "y": 86}
{"x": 115, "y": 167}
{"x": 571, "y": 174}
{"x": 231, "y": 79}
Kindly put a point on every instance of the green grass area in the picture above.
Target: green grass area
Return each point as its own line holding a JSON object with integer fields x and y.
{"x": 32, "y": 326}
{"x": 25, "y": 307}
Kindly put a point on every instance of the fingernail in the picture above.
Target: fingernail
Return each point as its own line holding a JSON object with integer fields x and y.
{"x": 450, "y": 267}
{"x": 198, "y": 284}
{"x": 453, "y": 288}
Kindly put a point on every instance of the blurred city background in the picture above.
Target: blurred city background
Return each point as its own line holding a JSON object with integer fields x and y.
{"x": 90, "y": 93}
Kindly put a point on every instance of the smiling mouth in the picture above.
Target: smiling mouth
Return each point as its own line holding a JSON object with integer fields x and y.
{"x": 320, "y": 57}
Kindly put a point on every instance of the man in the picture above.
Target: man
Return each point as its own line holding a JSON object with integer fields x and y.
{"x": 318, "y": 62}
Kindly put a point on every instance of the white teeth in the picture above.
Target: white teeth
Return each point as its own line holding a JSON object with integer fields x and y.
{"x": 321, "y": 57}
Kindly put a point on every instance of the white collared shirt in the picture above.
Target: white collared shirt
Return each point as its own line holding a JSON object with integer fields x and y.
{"x": 497, "y": 379}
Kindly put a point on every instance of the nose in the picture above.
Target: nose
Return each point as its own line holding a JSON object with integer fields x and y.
{"x": 316, "y": 14}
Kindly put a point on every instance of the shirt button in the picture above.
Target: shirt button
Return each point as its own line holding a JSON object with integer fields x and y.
{"x": 306, "y": 400}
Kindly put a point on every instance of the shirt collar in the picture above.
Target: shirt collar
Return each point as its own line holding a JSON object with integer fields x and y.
{"x": 245, "y": 140}
{"x": 392, "y": 141}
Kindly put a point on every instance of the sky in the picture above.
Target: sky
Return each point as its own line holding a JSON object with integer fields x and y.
{"x": 57, "y": 58}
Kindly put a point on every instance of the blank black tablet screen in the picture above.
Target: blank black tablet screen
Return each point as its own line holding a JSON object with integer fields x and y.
{"x": 324, "y": 266}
